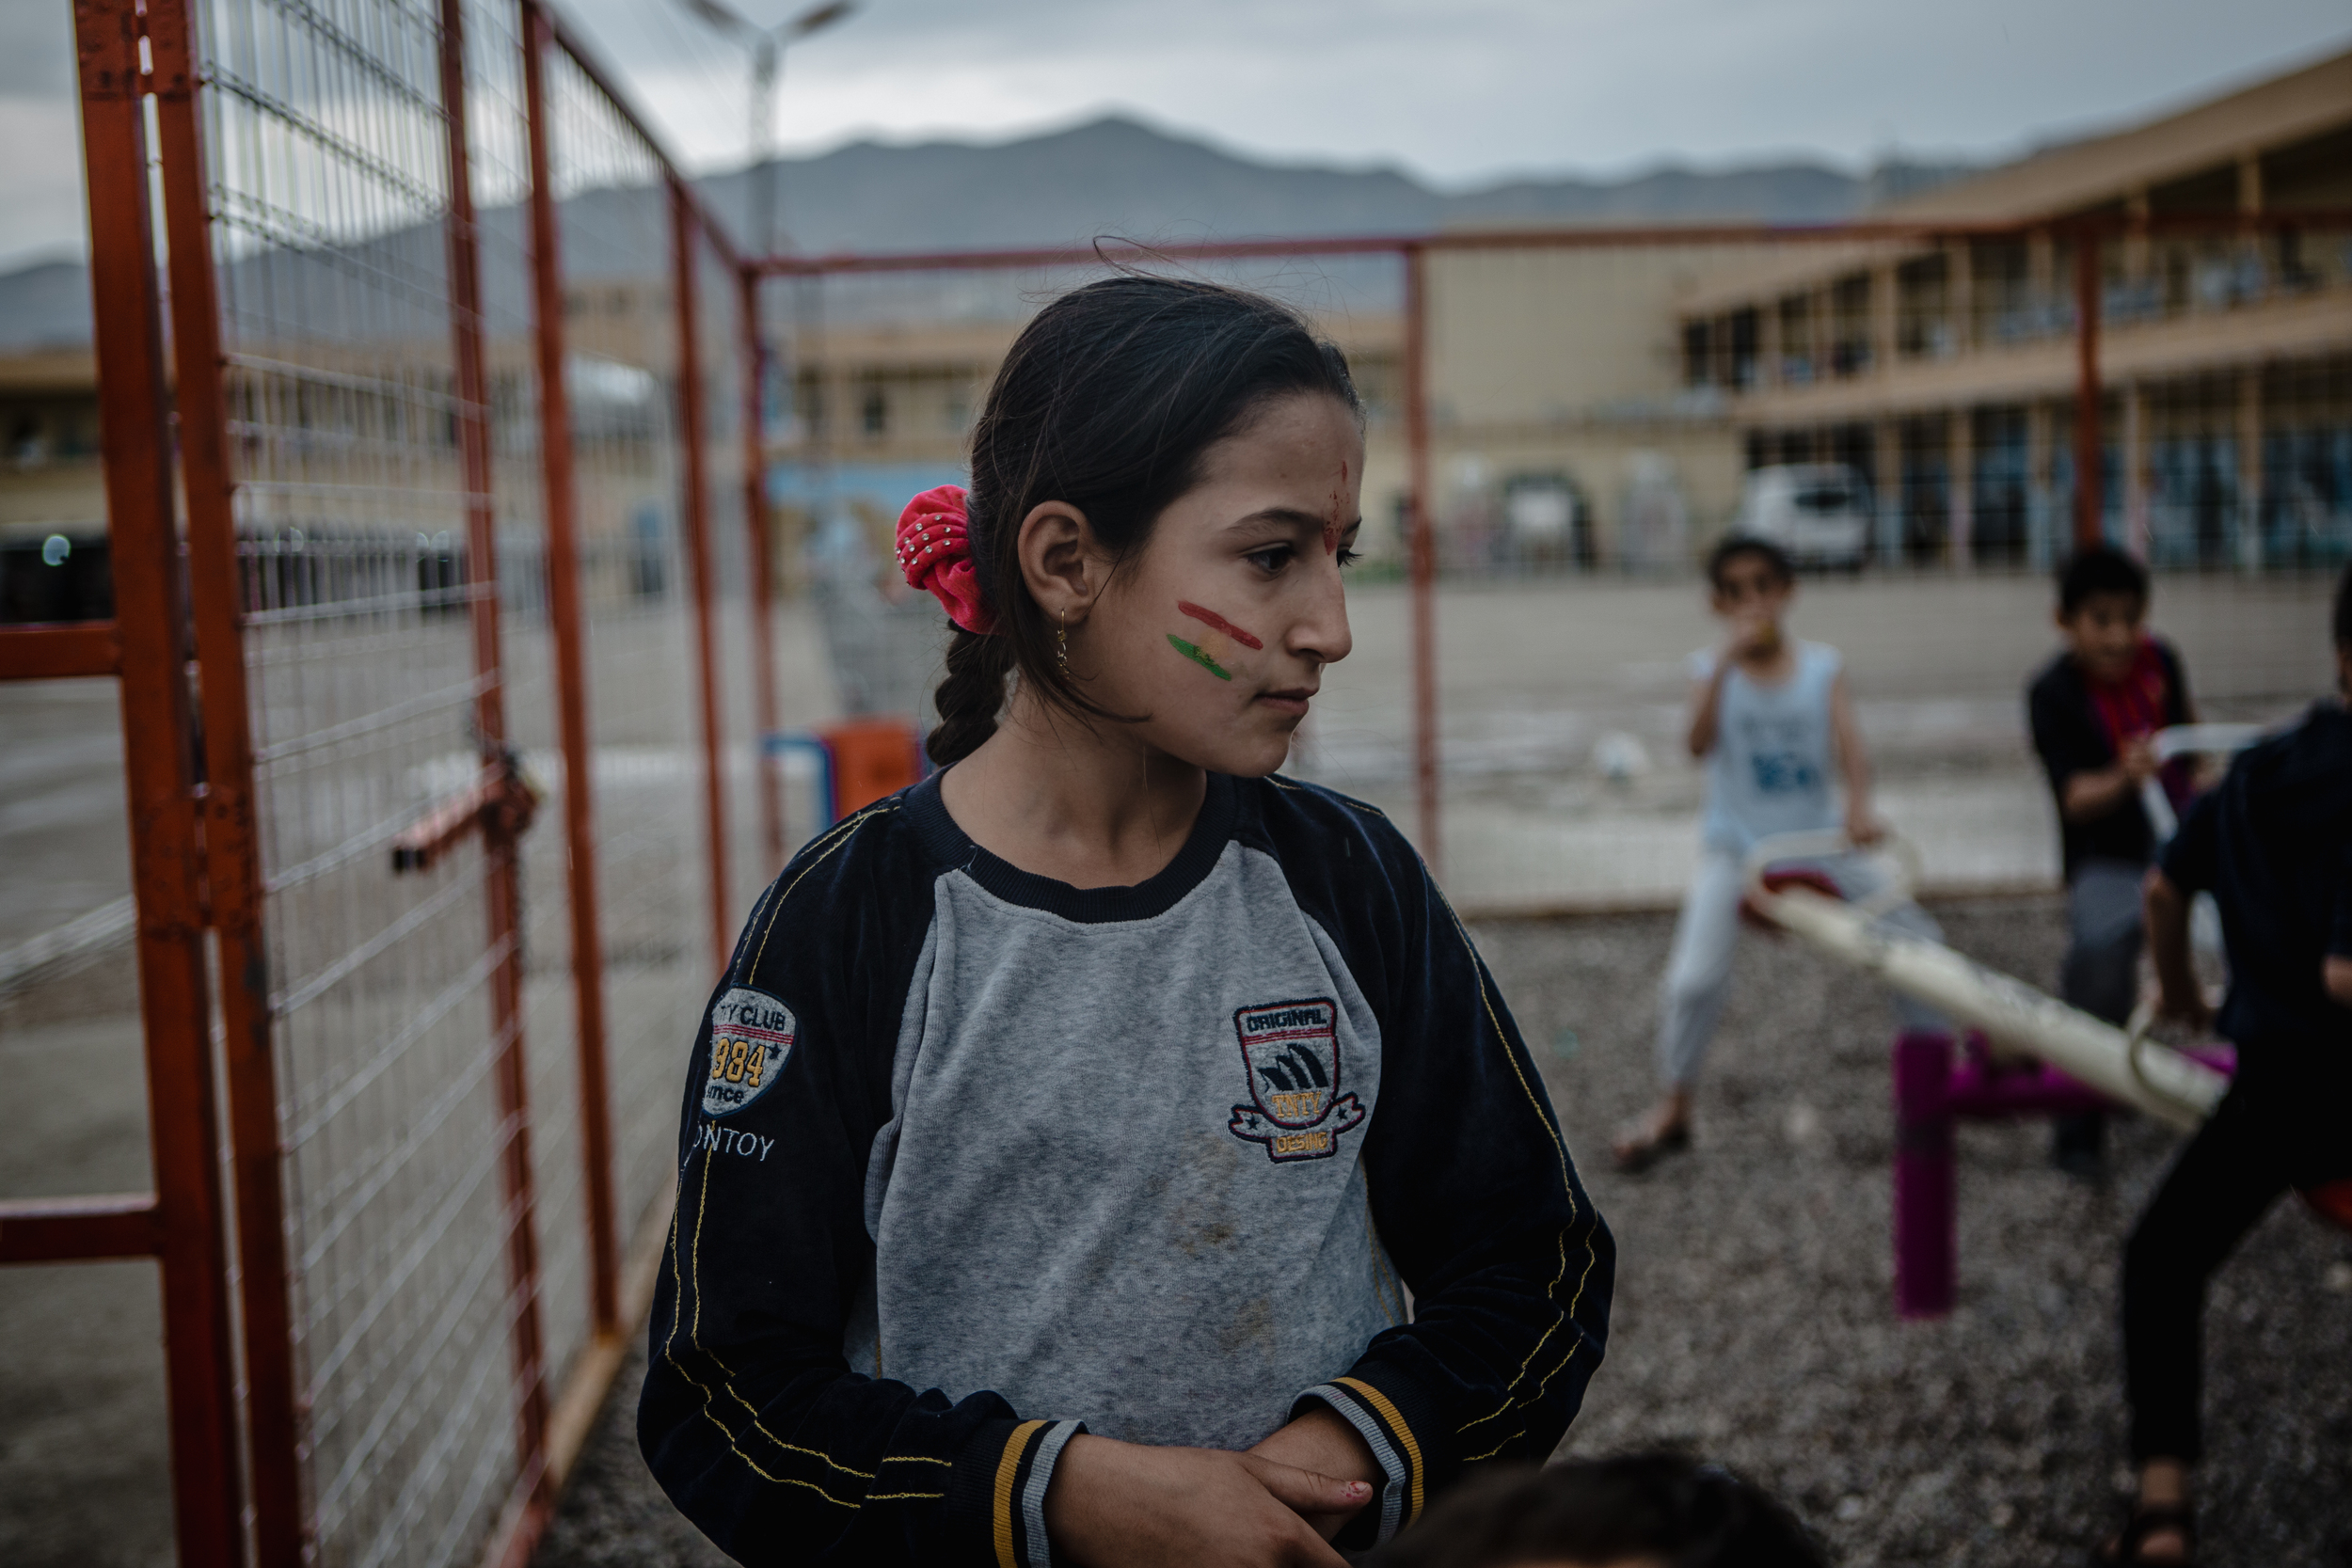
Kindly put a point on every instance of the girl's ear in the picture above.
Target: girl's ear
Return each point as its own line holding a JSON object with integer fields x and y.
{"x": 1059, "y": 563}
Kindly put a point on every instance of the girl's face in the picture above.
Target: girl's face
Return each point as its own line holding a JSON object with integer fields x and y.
{"x": 1219, "y": 629}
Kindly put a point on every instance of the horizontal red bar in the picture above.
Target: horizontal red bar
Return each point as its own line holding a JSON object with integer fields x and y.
{"x": 497, "y": 803}
{"x": 79, "y": 1230}
{"x": 52, "y": 650}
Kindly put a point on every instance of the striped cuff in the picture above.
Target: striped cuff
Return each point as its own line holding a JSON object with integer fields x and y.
{"x": 1017, "y": 1504}
{"x": 1380, "y": 1424}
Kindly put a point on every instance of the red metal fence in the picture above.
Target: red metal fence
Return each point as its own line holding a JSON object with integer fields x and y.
{"x": 2093, "y": 316}
{"x": 459, "y": 370}
{"x": 445, "y": 732}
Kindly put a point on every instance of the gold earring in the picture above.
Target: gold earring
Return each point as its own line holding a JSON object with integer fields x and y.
{"x": 1061, "y": 644}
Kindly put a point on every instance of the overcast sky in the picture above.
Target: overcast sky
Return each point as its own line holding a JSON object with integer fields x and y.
{"x": 1456, "y": 91}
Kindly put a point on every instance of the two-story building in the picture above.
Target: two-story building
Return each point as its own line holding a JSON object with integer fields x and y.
{"x": 1945, "y": 371}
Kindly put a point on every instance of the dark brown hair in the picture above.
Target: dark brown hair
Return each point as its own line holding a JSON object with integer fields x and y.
{"x": 1662, "y": 1507}
{"x": 1732, "y": 546}
{"x": 1108, "y": 401}
{"x": 2097, "y": 569}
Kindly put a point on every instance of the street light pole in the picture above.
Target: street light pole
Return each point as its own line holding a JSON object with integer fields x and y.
{"x": 767, "y": 47}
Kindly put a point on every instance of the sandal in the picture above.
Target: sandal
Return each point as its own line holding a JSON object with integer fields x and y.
{"x": 1638, "y": 1151}
{"x": 2144, "y": 1522}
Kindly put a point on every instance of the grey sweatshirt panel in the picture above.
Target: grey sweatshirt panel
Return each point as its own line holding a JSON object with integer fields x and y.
{"x": 1140, "y": 1205}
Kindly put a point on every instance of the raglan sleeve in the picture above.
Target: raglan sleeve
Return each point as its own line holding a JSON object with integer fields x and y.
{"x": 751, "y": 1417}
{"x": 2062, "y": 737}
{"x": 1477, "y": 1202}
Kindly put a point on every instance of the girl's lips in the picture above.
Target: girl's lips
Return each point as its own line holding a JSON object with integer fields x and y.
{"x": 1289, "y": 700}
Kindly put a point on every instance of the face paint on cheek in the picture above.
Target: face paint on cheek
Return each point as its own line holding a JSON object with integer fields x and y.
{"x": 1211, "y": 619}
{"x": 1193, "y": 652}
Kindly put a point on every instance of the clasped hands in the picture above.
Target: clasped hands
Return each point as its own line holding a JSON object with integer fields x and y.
{"x": 1275, "y": 1506}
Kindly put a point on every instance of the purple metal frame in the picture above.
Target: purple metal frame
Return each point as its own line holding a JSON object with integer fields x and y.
{"x": 1933, "y": 1092}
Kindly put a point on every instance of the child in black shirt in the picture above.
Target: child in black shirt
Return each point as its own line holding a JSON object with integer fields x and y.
{"x": 2273, "y": 844}
{"x": 2093, "y": 710}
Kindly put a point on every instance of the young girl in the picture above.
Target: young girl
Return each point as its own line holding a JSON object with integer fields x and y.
{"x": 1068, "y": 1130}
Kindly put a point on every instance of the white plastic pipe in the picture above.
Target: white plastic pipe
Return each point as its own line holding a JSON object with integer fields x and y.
{"x": 2182, "y": 740}
{"x": 2176, "y": 1089}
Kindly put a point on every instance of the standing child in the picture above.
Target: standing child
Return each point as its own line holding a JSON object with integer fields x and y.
{"x": 2273, "y": 844}
{"x": 1771, "y": 719}
{"x": 2093, "y": 711}
{"x": 1067, "y": 1131}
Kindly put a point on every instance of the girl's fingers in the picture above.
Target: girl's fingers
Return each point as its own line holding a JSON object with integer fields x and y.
{"x": 1306, "y": 1491}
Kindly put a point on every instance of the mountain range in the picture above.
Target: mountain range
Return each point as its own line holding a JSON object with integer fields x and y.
{"x": 1110, "y": 177}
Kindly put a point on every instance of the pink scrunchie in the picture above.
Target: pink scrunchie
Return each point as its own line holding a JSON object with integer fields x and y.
{"x": 936, "y": 553}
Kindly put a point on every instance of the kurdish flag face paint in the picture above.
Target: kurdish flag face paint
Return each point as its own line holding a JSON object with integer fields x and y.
{"x": 1216, "y": 643}
{"x": 1214, "y": 621}
{"x": 1198, "y": 655}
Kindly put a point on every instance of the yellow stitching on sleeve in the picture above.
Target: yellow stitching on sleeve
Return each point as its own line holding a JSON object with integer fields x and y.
{"x": 1497, "y": 1448}
{"x": 669, "y": 1343}
{"x": 831, "y": 841}
{"x": 1395, "y": 1419}
{"x": 900, "y": 1497}
{"x": 1007, "y": 1467}
{"x": 727, "y": 1373}
{"x": 1559, "y": 1149}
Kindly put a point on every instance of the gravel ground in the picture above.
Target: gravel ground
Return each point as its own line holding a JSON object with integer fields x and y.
{"x": 1754, "y": 1320}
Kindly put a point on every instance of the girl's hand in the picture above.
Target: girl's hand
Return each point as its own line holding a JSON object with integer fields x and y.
{"x": 1322, "y": 1443}
{"x": 1128, "y": 1505}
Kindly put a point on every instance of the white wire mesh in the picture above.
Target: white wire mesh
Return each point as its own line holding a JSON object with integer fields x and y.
{"x": 622, "y": 372}
{"x": 330, "y": 189}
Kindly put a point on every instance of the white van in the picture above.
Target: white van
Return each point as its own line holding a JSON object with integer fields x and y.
{"x": 1820, "y": 513}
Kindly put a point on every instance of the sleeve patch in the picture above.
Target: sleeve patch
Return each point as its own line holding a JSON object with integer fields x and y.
{"x": 750, "y": 1032}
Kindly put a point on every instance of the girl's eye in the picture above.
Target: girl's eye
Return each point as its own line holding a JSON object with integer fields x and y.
{"x": 1271, "y": 559}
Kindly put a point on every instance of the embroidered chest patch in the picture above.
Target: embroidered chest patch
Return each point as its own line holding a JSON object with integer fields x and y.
{"x": 1291, "y": 1051}
{"x": 750, "y": 1034}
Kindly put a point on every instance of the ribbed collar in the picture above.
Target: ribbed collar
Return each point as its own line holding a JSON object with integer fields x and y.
{"x": 1093, "y": 906}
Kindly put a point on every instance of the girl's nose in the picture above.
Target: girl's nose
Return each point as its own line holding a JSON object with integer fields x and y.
{"x": 1322, "y": 633}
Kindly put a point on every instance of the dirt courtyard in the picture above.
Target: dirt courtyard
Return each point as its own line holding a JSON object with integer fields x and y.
{"x": 1754, "y": 1320}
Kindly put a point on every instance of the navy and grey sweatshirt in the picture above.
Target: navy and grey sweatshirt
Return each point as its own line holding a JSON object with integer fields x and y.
{"x": 973, "y": 1161}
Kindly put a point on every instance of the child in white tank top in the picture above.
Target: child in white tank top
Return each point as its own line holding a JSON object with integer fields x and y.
{"x": 1773, "y": 719}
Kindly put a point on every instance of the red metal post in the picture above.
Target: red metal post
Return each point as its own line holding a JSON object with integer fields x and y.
{"x": 696, "y": 510}
{"x": 59, "y": 651}
{"x": 158, "y": 775}
{"x": 1423, "y": 546}
{"x": 571, "y": 685}
{"x": 2090, "y": 526}
{"x": 755, "y": 519}
{"x": 502, "y": 871}
{"x": 232, "y": 866}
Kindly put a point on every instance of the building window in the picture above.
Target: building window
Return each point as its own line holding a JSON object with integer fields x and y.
{"x": 27, "y": 445}
{"x": 875, "y": 412}
{"x": 1695, "y": 370}
{"x": 1746, "y": 329}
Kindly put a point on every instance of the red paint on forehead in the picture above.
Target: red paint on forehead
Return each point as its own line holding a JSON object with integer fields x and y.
{"x": 1332, "y": 525}
{"x": 1210, "y": 617}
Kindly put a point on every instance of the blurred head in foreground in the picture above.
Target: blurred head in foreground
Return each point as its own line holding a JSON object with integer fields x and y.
{"x": 1639, "y": 1511}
